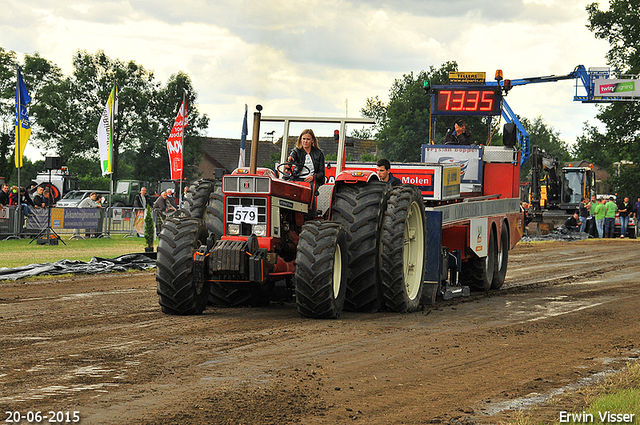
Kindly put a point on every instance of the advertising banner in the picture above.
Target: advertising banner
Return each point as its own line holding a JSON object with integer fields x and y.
{"x": 468, "y": 157}
{"x": 617, "y": 88}
{"x": 75, "y": 218}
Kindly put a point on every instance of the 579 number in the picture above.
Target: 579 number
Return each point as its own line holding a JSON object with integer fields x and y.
{"x": 245, "y": 215}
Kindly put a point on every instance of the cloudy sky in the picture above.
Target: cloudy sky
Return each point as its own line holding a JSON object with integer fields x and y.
{"x": 320, "y": 57}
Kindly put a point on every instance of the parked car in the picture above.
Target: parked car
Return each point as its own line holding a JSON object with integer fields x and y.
{"x": 72, "y": 199}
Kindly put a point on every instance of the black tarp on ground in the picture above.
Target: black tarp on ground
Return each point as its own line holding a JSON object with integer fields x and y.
{"x": 96, "y": 265}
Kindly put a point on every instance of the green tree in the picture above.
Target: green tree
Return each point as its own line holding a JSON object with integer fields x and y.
{"x": 590, "y": 147}
{"x": 627, "y": 183}
{"x": 621, "y": 141}
{"x": 68, "y": 112}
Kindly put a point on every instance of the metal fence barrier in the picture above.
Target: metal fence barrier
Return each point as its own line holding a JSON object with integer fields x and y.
{"x": 75, "y": 223}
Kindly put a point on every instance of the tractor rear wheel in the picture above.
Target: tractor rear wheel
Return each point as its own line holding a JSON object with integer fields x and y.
{"x": 178, "y": 291}
{"x": 321, "y": 270}
{"x": 197, "y": 197}
{"x": 502, "y": 259}
{"x": 214, "y": 211}
{"x": 404, "y": 249}
{"x": 360, "y": 208}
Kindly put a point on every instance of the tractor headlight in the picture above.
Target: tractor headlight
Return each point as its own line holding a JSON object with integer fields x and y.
{"x": 260, "y": 230}
{"x": 233, "y": 229}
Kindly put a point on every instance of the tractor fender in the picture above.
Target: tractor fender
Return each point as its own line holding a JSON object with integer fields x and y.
{"x": 259, "y": 172}
{"x": 356, "y": 176}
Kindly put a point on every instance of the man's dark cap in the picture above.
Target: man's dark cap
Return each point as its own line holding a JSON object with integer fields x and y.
{"x": 460, "y": 122}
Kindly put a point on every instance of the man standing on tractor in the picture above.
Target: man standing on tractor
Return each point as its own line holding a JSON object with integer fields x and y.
{"x": 460, "y": 135}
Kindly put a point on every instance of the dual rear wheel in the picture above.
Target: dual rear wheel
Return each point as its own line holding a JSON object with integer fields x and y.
{"x": 489, "y": 272}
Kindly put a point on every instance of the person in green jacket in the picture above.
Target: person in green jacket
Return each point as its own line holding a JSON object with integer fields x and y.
{"x": 610, "y": 217}
{"x": 600, "y": 211}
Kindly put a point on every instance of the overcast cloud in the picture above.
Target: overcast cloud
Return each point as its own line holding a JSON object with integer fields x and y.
{"x": 320, "y": 57}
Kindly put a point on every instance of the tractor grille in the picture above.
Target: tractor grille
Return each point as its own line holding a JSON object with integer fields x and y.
{"x": 246, "y": 184}
{"x": 259, "y": 203}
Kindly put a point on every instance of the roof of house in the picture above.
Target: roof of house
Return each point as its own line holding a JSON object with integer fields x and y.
{"x": 601, "y": 173}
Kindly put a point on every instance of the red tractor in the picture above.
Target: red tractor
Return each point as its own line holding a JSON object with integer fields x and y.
{"x": 357, "y": 244}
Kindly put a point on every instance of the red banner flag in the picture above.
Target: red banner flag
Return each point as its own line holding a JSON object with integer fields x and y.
{"x": 175, "y": 144}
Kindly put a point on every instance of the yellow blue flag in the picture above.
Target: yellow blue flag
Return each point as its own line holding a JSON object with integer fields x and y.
{"x": 22, "y": 126}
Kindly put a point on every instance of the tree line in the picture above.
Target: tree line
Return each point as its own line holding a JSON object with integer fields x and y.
{"x": 65, "y": 110}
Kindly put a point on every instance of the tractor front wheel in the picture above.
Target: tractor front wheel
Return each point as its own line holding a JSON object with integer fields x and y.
{"x": 197, "y": 197}
{"x": 321, "y": 270}
{"x": 179, "y": 292}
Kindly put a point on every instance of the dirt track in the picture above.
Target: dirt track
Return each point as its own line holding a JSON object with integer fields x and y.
{"x": 100, "y": 346}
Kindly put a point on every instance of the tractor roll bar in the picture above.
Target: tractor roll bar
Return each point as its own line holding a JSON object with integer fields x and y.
{"x": 341, "y": 121}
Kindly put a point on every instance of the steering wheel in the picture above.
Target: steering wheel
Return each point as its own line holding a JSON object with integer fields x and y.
{"x": 292, "y": 173}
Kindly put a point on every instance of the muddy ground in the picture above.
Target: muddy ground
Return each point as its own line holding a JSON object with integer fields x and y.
{"x": 100, "y": 346}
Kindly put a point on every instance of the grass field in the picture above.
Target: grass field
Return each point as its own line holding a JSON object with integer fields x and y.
{"x": 619, "y": 394}
{"x": 15, "y": 253}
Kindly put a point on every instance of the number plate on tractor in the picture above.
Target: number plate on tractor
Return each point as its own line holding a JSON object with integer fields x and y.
{"x": 247, "y": 215}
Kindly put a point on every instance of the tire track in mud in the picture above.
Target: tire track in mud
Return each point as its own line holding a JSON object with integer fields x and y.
{"x": 118, "y": 359}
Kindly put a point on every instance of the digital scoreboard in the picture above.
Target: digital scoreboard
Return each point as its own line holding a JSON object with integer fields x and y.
{"x": 469, "y": 100}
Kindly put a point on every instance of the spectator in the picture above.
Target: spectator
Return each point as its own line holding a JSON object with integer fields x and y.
{"x": 48, "y": 198}
{"x": 625, "y": 209}
{"x": 4, "y": 195}
{"x": 572, "y": 224}
{"x": 593, "y": 206}
{"x": 636, "y": 215}
{"x": 162, "y": 204}
{"x": 38, "y": 198}
{"x": 26, "y": 202}
{"x": 184, "y": 194}
{"x": 13, "y": 195}
{"x": 601, "y": 210}
{"x": 383, "y": 167}
{"x": 171, "y": 199}
{"x": 610, "y": 217}
{"x": 584, "y": 214}
{"x": 142, "y": 199}
{"x": 90, "y": 202}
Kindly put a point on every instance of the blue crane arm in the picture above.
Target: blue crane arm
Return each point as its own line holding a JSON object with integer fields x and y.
{"x": 579, "y": 73}
{"x": 523, "y": 136}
